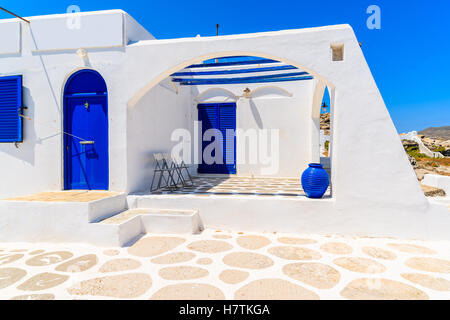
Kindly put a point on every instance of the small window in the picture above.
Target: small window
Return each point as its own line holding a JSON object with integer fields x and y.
{"x": 10, "y": 109}
{"x": 337, "y": 50}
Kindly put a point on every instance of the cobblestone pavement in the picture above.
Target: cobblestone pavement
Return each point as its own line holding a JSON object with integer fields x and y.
{"x": 229, "y": 265}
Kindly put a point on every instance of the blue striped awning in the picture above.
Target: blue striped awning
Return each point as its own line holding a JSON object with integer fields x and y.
{"x": 238, "y": 70}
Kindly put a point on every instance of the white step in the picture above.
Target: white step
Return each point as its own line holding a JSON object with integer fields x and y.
{"x": 171, "y": 221}
{"x": 132, "y": 223}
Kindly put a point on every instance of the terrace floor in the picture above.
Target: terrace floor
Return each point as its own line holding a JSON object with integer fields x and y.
{"x": 218, "y": 264}
{"x": 66, "y": 196}
{"x": 207, "y": 185}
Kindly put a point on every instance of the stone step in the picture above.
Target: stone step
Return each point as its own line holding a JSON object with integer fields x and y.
{"x": 134, "y": 222}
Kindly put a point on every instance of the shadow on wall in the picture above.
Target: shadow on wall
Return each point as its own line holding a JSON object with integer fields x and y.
{"x": 256, "y": 114}
{"x": 150, "y": 125}
{"x": 216, "y": 95}
{"x": 270, "y": 92}
{"x": 25, "y": 150}
{"x": 265, "y": 92}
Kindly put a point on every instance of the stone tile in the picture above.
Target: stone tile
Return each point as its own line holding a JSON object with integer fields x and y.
{"x": 79, "y": 264}
{"x": 9, "y": 276}
{"x": 43, "y": 281}
{"x": 152, "y": 246}
{"x": 189, "y": 291}
{"x": 49, "y": 258}
{"x": 233, "y": 276}
{"x": 292, "y": 240}
{"x": 205, "y": 261}
{"x": 111, "y": 252}
{"x": 124, "y": 286}
{"x": 295, "y": 253}
{"x": 116, "y": 265}
{"x": 10, "y": 258}
{"x": 274, "y": 289}
{"x": 411, "y": 248}
{"x": 378, "y": 253}
{"x": 336, "y": 248}
{"x": 362, "y": 265}
{"x": 317, "y": 275}
{"x": 247, "y": 260}
{"x": 210, "y": 246}
{"x": 174, "y": 257}
{"x": 427, "y": 281}
{"x": 253, "y": 242}
{"x": 182, "y": 273}
{"x": 381, "y": 289}
{"x": 42, "y": 296}
{"x": 429, "y": 264}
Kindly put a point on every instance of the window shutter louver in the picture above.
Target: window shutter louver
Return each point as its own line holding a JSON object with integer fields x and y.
{"x": 227, "y": 121}
{"x": 10, "y": 108}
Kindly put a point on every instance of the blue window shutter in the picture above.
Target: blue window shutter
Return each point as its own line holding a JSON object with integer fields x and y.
{"x": 227, "y": 120}
{"x": 10, "y": 108}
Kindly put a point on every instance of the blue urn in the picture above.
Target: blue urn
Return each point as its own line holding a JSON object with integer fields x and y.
{"x": 315, "y": 181}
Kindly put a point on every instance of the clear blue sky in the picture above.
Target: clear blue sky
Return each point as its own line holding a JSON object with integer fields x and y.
{"x": 409, "y": 56}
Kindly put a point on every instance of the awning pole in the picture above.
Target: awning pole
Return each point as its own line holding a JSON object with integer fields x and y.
{"x": 15, "y": 15}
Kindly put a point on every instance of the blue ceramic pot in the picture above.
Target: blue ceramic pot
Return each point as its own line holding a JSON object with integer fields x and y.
{"x": 315, "y": 181}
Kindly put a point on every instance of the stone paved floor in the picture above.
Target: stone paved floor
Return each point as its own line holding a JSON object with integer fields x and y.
{"x": 66, "y": 196}
{"x": 226, "y": 265}
{"x": 286, "y": 187}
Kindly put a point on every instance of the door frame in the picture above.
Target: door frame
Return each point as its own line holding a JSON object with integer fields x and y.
{"x": 66, "y": 116}
{"x": 234, "y": 103}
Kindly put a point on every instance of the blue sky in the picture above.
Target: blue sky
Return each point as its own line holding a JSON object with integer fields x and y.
{"x": 408, "y": 56}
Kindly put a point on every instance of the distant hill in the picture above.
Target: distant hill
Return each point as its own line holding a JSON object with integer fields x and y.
{"x": 437, "y": 132}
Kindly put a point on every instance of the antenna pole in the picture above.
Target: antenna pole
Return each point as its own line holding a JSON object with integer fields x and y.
{"x": 217, "y": 34}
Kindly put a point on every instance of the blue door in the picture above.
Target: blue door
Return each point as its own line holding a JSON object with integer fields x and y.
{"x": 220, "y": 117}
{"x": 86, "y": 161}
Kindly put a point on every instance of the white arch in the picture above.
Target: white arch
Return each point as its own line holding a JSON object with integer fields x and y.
{"x": 221, "y": 54}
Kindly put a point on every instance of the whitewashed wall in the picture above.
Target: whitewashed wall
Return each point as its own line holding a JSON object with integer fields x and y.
{"x": 285, "y": 107}
{"x": 149, "y": 128}
{"x": 37, "y": 164}
{"x": 374, "y": 186}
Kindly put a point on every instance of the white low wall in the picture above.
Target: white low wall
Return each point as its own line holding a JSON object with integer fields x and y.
{"x": 303, "y": 215}
{"x": 412, "y": 136}
{"x": 32, "y": 221}
{"x": 437, "y": 181}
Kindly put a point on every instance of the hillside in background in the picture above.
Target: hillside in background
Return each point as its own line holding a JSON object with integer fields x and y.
{"x": 437, "y": 132}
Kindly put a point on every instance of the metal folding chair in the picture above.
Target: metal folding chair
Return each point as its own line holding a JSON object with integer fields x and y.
{"x": 178, "y": 165}
{"x": 162, "y": 167}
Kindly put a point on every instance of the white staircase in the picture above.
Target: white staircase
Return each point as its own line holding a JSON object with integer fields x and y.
{"x": 106, "y": 221}
{"x": 131, "y": 224}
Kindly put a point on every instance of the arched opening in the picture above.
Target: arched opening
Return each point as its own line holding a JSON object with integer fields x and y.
{"x": 273, "y": 99}
{"x": 212, "y": 56}
{"x": 86, "y": 160}
{"x": 325, "y": 131}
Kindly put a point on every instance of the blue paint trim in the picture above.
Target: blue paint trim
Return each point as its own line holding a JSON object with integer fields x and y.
{"x": 232, "y": 63}
{"x": 219, "y": 116}
{"x": 83, "y": 82}
{"x": 237, "y": 71}
{"x": 87, "y": 94}
{"x": 237, "y": 81}
{"x": 268, "y": 76}
{"x": 10, "y": 109}
{"x": 88, "y": 85}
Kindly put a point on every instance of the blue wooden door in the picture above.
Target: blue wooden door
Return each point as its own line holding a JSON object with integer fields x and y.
{"x": 220, "y": 117}
{"x": 86, "y": 160}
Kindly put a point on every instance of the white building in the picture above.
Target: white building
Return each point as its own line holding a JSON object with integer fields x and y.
{"x": 99, "y": 94}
